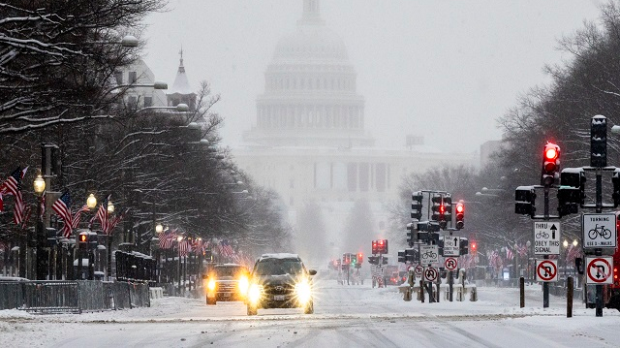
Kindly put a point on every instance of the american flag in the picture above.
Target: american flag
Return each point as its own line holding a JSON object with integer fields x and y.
{"x": 11, "y": 185}
{"x": 225, "y": 249}
{"x": 111, "y": 224}
{"x": 522, "y": 251}
{"x": 495, "y": 260}
{"x": 509, "y": 254}
{"x": 101, "y": 215}
{"x": 572, "y": 253}
{"x": 62, "y": 207}
{"x": 166, "y": 239}
{"x": 19, "y": 209}
{"x": 185, "y": 247}
{"x": 75, "y": 222}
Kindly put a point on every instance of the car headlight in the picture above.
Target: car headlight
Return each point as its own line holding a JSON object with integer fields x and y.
{"x": 303, "y": 290}
{"x": 243, "y": 284}
{"x": 255, "y": 292}
{"x": 211, "y": 285}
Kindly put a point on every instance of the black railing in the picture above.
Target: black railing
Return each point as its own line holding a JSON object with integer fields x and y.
{"x": 73, "y": 296}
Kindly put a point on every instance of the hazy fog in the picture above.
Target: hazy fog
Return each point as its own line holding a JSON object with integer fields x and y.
{"x": 446, "y": 69}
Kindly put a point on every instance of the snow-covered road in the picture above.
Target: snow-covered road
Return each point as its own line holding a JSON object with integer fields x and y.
{"x": 345, "y": 316}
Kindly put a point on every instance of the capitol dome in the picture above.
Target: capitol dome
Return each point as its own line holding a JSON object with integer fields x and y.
{"x": 310, "y": 96}
{"x": 311, "y": 42}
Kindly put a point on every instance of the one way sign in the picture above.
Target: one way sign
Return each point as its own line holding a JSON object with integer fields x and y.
{"x": 451, "y": 246}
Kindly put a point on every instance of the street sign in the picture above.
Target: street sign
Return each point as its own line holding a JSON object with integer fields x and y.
{"x": 546, "y": 270}
{"x": 430, "y": 274}
{"x": 418, "y": 271}
{"x": 429, "y": 254}
{"x": 450, "y": 263}
{"x": 599, "y": 230}
{"x": 546, "y": 237}
{"x": 451, "y": 246}
{"x": 599, "y": 270}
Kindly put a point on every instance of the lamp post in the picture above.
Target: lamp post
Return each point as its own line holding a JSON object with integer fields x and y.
{"x": 39, "y": 188}
{"x": 179, "y": 239}
{"x": 108, "y": 234}
{"x": 565, "y": 245}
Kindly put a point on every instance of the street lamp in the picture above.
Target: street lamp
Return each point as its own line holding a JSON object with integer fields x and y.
{"x": 39, "y": 184}
{"x": 91, "y": 202}
{"x": 39, "y": 188}
{"x": 110, "y": 207}
{"x": 159, "y": 228}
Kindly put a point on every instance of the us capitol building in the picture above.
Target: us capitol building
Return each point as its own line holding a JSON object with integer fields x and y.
{"x": 309, "y": 143}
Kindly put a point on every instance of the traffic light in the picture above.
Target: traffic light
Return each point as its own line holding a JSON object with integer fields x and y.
{"x": 551, "y": 165}
{"x": 438, "y": 208}
{"x": 416, "y": 205}
{"x": 568, "y": 200}
{"x": 411, "y": 233}
{"x": 373, "y": 260}
{"x": 460, "y": 214}
{"x": 87, "y": 240}
{"x": 411, "y": 255}
{"x": 525, "y": 197}
{"x": 473, "y": 247}
{"x": 401, "y": 256}
{"x": 374, "y": 248}
{"x": 447, "y": 215}
{"x": 360, "y": 258}
{"x": 464, "y": 246}
{"x": 576, "y": 177}
{"x": 353, "y": 260}
{"x": 382, "y": 246}
{"x": 440, "y": 245}
{"x": 385, "y": 260}
{"x": 598, "y": 141}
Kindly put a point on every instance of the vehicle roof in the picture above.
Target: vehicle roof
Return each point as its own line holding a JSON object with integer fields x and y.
{"x": 279, "y": 256}
{"x": 229, "y": 265}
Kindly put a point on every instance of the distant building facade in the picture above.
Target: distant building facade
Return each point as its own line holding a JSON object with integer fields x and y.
{"x": 309, "y": 142}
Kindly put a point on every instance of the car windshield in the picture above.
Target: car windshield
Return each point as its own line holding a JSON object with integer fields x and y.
{"x": 278, "y": 267}
{"x": 228, "y": 271}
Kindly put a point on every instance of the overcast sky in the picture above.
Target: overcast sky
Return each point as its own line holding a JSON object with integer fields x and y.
{"x": 442, "y": 69}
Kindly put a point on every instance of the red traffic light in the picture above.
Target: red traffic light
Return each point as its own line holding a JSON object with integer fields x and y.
{"x": 551, "y": 153}
{"x": 83, "y": 238}
{"x": 442, "y": 209}
{"x": 460, "y": 207}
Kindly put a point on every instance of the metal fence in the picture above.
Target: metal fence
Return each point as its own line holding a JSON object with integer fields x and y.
{"x": 73, "y": 296}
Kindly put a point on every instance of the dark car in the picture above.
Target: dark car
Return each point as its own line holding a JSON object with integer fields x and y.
{"x": 228, "y": 282}
{"x": 280, "y": 281}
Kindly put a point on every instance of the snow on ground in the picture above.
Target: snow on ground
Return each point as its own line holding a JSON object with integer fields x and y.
{"x": 344, "y": 316}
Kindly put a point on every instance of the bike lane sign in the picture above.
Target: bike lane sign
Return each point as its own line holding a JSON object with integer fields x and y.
{"x": 429, "y": 254}
{"x": 547, "y": 237}
{"x": 599, "y": 230}
{"x": 599, "y": 270}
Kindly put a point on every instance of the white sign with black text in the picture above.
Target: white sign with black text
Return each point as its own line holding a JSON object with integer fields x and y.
{"x": 451, "y": 246}
{"x": 429, "y": 254}
{"x": 546, "y": 237}
{"x": 599, "y": 230}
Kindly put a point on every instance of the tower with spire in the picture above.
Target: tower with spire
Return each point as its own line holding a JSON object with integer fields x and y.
{"x": 181, "y": 92}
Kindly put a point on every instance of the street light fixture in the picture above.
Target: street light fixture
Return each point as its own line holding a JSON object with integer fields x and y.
{"x": 110, "y": 207}
{"x": 91, "y": 202}
{"x": 39, "y": 184}
{"x": 159, "y": 228}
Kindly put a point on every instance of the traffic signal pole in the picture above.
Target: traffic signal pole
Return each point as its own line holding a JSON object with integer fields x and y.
{"x": 599, "y": 251}
{"x": 546, "y": 257}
